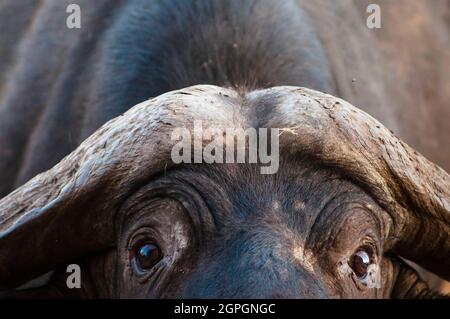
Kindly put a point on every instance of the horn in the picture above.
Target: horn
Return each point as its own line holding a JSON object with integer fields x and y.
{"x": 414, "y": 191}
{"x": 68, "y": 211}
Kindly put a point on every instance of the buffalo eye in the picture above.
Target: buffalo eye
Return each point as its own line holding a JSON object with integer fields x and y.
{"x": 148, "y": 255}
{"x": 360, "y": 261}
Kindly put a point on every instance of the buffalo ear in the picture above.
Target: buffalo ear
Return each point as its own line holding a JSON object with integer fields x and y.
{"x": 37, "y": 238}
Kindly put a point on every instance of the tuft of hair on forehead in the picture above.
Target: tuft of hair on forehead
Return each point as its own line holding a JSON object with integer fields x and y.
{"x": 243, "y": 44}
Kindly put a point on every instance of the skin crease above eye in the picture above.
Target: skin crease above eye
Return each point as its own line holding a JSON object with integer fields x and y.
{"x": 239, "y": 225}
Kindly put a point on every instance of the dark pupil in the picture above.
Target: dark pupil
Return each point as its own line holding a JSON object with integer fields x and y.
{"x": 148, "y": 255}
{"x": 361, "y": 262}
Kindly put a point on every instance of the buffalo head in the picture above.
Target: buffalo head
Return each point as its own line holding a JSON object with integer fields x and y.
{"x": 349, "y": 199}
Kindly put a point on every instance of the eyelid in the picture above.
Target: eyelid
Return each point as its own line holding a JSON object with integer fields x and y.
{"x": 143, "y": 234}
{"x": 370, "y": 244}
{"x": 352, "y": 209}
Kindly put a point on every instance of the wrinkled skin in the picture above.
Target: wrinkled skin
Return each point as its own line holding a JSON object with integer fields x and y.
{"x": 294, "y": 241}
{"x": 223, "y": 230}
{"x": 240, "y": 244}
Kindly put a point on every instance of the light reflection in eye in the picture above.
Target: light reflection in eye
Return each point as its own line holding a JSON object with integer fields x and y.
{"x": 360, "y": 262}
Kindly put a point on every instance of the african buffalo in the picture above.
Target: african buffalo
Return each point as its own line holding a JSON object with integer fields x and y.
{"x": 350, "y": 200}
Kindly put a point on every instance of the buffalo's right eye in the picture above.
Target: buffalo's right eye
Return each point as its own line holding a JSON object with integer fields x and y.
{"x": 147, "y": 256}
{"x": 360, "y": 261}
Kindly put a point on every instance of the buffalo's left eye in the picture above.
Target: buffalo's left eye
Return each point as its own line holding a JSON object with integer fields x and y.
{"x": 148, "y": 255}
{"x": 360, "y": 262}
